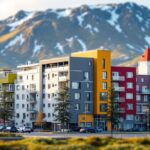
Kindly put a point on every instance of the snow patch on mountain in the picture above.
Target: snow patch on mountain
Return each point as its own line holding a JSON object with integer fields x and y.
{"x": 19, "y": 22}
{"x": 37, "y": 48}
{"x": 91, "y": 29}
{"x": 147, "y": 39}
{"x": 63, "y": 13}
{"x": 102, "y": 7}
{"x": 17, "y": 40}
{"x": 83, "y": 45}
{"x": 139, "y": 17}
{"x": 114, "y": 20}
{"x": 60, "y": 47}
{"x": 81, "y": 18}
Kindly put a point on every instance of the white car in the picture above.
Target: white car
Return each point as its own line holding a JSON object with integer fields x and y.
{"x": 25, "y": 129}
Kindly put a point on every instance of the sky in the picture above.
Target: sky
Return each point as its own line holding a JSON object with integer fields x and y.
{"x": 10, "y": 7}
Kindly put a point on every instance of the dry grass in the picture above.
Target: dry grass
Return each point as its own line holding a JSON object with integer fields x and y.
{"x": 92, "y": 143}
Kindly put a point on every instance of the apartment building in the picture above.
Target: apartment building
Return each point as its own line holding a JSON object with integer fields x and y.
{"x": 7, "y": 78}
{"x": 143, "y": 90}
{"x": 77, "y": 73}
{"x": 37, "y": 87}
{"x": 101, "y": 85}
{"x": 27, "y": 91}
{"x": 124, "y": 83}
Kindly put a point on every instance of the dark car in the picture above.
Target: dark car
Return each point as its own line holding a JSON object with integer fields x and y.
{"x": 75, "y": 129}
{"x": 10, "y": 129}
{"x": 88, "y": 130}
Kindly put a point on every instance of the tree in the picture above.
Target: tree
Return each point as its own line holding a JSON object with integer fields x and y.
{"x": 5, "y": 107}
{"x": 39, "y": 119}
{"x": 62, "y": 108}
{"x": 112, "y": 109}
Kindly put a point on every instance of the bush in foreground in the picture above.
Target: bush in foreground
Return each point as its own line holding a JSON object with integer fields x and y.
{"x": 92, "y": 143}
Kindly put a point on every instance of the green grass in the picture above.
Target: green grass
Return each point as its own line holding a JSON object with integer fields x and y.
{"x": 92, "y": 143}
{"x": 6, "y": 134}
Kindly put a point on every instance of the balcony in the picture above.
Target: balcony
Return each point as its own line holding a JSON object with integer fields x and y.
{"x": 120, "y": 99}
{"x": 119, "y": 89}
{"x": 121, "y": 110}
{"x": 32, "y": 90}
{"x": 118, "y": 78}
{"x": 31, "y": 110}
{"x": 62, "y": 78}
{"x": 143, "y": 91}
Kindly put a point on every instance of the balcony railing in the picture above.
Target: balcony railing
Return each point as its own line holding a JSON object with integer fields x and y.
{"x": 119, "y": 89}
{"x": 120, "y": 99}
{"x": 32, "y": 90}
{"x": 121, "y": 110}
{"x": 144, "y": 91}
{"x": 62, "y": 78}
{"x": 118, "y": 78}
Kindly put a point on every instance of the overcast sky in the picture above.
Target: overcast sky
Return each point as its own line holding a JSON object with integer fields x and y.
{"x": 10, "y": 7}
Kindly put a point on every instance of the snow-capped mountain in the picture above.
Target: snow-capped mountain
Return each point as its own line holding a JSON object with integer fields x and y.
{"x": 122, "y": 28}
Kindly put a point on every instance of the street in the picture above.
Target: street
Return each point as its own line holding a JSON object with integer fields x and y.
{"x": 71, "y": 135}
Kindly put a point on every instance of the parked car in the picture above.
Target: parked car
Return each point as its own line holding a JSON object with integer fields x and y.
{"x": 99, "y": 130}
{"x": 10, "y": 129}
{"x": 75, "y": 129}
{"x": 2, "y": 128}
{"x": 88, "y": 130}
{"x": 65, "y": 130}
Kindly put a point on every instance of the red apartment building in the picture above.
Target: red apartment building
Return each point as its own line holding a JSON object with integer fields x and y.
{"x": 124, "y": 82}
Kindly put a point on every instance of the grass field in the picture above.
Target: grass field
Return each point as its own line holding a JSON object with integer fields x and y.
{"x": 92, "y": 143}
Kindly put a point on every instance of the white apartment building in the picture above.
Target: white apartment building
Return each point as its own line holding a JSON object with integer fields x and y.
{"x": 27, "y": 94}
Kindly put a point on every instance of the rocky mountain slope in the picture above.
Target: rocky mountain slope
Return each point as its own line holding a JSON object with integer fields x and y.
{"x": 122, "y": 28}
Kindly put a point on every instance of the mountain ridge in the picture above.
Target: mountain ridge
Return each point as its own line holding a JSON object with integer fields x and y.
{"x": 123, "y": 28}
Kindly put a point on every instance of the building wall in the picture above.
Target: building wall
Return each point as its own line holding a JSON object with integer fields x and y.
{"x": 120, "y": 83}
{"x": 99, "y": 56}
{"x": 143, "y": 68}
{"x": 27, "y": 95}
{"x": 143, "y": 99}
{"x": 79, "y": 68}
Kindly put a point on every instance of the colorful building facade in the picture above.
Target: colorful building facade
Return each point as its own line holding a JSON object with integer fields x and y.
{"x": 124, "y": 83}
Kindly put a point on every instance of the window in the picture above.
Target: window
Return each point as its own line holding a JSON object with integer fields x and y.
{"x": 43, "y": 105}
{"x": 77, "y": 107}
{"x": 32, "y": 77}
{"x": 48, "y": 76}
{"x": 103, "y": 107}
{"x": 23, "y": 87}
{"x": 86, "y": 75}
{"x": 77, "y": 95}
{"x": 23, "y": 96}
{"x": 43, "y": 96}
{"x": 88, "y": 85}
{"x": 17, "y": 106}
{"x": 43, "y": 86}
{"x": 75, "y": 85}
{"x": 22, "y": 105}
{"x": 104, "y": 85}
{"x": 17, "y": 87}
{"x": 17, "y": 115}
{"x": 138, "y": 97}
{"x": 103, "y": 96}
{"x": 129, "y": 117}
{"x": 49, "y": 105}
{"x": 129, "y": 95}
{"x": 129, "y": 74}
{"x": 138, "y": 108}
{"x": 17, "y": 96}
{"x": 104, "y": 75}
{"x": 49, "y": 115}
{"x": 88, "y": 96}
{"x": 145, "y": 98}
{"x": 137, "y": 88}
{"x": 49, "y": 86}
{"x": 24, "y": 116}
{"x": 87, "y": 108}
{"x": 130, "y": 106}
{"x": 142, "y": 79}
{"x": 103, "y": 63}
{"x": 129, "y": 85}
{"x": 49, "y": 95}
